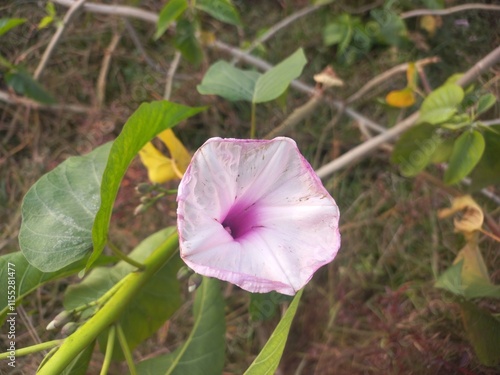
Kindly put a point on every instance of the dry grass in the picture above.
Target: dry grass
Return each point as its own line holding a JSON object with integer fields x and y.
{"x": 374, "y": 310}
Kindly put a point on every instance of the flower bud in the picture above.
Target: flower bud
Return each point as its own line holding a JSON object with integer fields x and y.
{"x": 140, "y": 209}
{"x": 183, "y": 273}
{"x": 194, "y": 282}
{"x": 60, "y": 319}
{"x": 144, "y": 188}
{"x": 69, "y": 328}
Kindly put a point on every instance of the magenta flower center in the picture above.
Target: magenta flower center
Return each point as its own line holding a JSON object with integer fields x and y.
{"x": 241, "y": 219}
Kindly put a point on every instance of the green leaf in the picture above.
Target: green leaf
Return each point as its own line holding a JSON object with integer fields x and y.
{"x": 235, "y": 84}
{"x": 169, "y": 13}
{"x": 7, "y": 24}
{"x": 392, "y": 28}
{"x": 264, "y": 306}
{"x": 443, "y": 151}
{"x": 29, "y": 278}
{"x": 340, "y": 32}
{"x": 441, "y": 104}
{"x": 24, "y": 84}
{"x": 187, "y": 43}
{"x": 269, "y": 357}
{"x": 149, "y": 120}
{"x": 223, "y": 10}
{"x": 483, "y": 331}
{"x": 46, "y": 21}
{"x": 487, "y": 171}
{"x": 59, "y": 209}
{"x": 451, "y": 279}
{"x": 274, "y": 82}
{"x": 415, "y": 149}
{"x": 485, "y": 102}
{"x": 203, "y": 351}
{"x": 50, "y": 9}
{"x": 467, "y": 152}
{"x": 158, "y": 301}
{"x": 231, "y": 83}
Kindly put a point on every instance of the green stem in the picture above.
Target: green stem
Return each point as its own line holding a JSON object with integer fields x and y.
{"x": 33, "y": 349}
{"x": 110, "y": 346}
{"x": 112, "y": 310}
{"x": 124, "y": 256}
{"x": 126, "y": 350}
{"x": 252, "y": 122}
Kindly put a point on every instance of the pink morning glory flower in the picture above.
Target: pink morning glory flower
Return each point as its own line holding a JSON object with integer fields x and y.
{"x": 254, "y": 213}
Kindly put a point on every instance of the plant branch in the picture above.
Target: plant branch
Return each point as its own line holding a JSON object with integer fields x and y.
{"x": 103, "y": 73}
{"x": 349, "y": 157}
{"x": 21, "y": 100}
{"x": 33, "y": 349}
{"x": 170, "y": 74}
{"x": 448, "y": 11}
{"x": 137, "y": 42}
{"x": 377, "y": 80}
{"x": 296, "y": 116}
{"x": 480, "y": 67}
{"x": 117, "y": 10}
{"x": 252, "y": 121}
{"x": 57, "y": 36}
{"x": 124, "y": 256}
{"x": 280, "y": 25}
{"x": 110, "y": 346}
{"x": 112, "y": 310}
{"x": 126, "y": 350}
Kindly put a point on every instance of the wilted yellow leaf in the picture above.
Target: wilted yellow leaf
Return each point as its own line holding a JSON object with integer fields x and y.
{"x": 328, "y": 78}
{"x": 161, "y": 168}
{"x": 472, "y": 216}
{"x": 180, "y": 156}
{"x": 411, "y": 76}
{"x": 474, "y": 269}
{"x": 401, "y": 98}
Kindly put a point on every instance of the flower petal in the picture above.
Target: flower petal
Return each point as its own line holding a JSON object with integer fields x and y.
{"x": 254, "y": 213}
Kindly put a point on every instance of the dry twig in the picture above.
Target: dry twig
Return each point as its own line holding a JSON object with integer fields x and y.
{"x": 57, "y": 36}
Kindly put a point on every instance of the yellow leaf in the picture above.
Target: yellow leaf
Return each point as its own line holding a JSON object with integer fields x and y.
{"x": 472, "y": 216}
{"x": 401, "y": 98}
{"x": 207, "y": 38}
{"x": 430, "y": 23}
{"x": 411, "y": 76}
{"x": 473, "y": 269}
{"x": 180, "y": 156}
{"x": 160, "y": 168}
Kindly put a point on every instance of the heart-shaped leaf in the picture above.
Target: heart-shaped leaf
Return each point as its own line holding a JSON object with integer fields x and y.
{"x": 231, "y": 83}
{"x": 236, "y": 84}
{"x": 274, "y": 82}
{"x": 59, "y": 209}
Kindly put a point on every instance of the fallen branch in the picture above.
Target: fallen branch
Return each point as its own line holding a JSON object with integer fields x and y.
{"x": 448, "y": 11}
{"x": 18, "y": 100}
